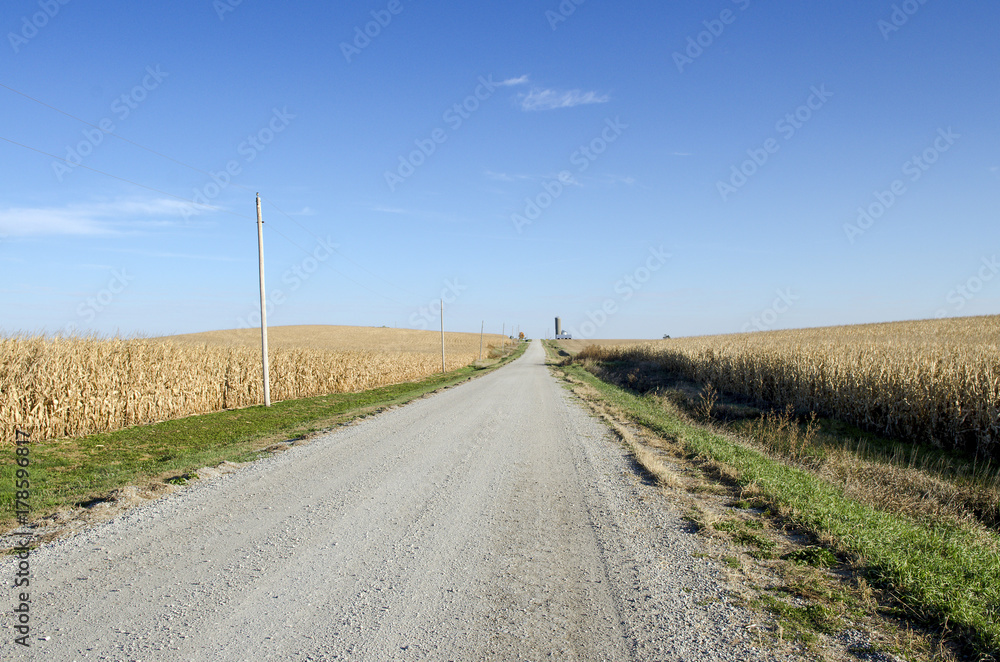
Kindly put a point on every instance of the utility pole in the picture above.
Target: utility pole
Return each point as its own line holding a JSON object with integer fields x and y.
{"x": 442, "y": 336}
{"x": 263, "y": 307}
{"x": 481, "y": 328}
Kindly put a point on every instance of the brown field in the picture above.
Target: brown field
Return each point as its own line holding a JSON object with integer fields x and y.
{"x": 346, "y": 339}
{"x": 934, "y": 381}
{"x": 574, "y": 347}
{"x": 75, "y": 386}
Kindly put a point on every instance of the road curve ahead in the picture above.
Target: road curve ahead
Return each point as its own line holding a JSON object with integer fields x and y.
{"x": 493, "y": 521}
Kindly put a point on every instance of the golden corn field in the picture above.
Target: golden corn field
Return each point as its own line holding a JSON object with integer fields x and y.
{"x": 69, "y": 387}
{"x": 935, "y": 380}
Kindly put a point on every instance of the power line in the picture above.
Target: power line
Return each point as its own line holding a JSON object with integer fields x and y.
{"x": 190, "y": 167}
{"x": 127, "y": 181}
{"x": 113, "y": 134}
{"x": 361, "y": 285}
{"x": 150, "y": 188}
{"x": 358, "y": 265}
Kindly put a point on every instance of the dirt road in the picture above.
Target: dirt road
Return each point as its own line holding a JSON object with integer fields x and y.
{"x": 493, "y": 521}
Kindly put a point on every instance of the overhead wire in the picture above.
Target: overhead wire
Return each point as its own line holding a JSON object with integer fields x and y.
{"x": 361, "y": 285}
{"x": 346, "y": 257}
{"x": 198, "y": 170}
{"x": 127, "y": 181}
{"x": 113, "y": 134}
{"x": 227, "y": 211}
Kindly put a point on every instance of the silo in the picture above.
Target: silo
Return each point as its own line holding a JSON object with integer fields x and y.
{"x": 558, "y": 327}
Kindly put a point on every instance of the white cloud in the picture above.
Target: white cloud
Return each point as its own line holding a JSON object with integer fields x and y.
{"x": 389, "y": 210}
{"x": 565, "y": 177}
{"x": 102, "y": 218}
{"x": 177, "y": 256}
{"x": 539, "y": 99}
{"x": 505, "y": 177}
{"x": 521, "y": 80}
{"x": 619, "y": 179}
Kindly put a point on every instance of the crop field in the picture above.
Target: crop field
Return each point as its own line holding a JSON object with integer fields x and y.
{"x": 66, "y": 387}
{"x": 935, "y": 381}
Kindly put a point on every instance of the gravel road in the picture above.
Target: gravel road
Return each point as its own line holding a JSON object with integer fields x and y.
{"x": 493, "y": 521}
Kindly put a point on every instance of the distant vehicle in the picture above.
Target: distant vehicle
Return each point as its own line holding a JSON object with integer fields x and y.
{"x": 564, "y": 336}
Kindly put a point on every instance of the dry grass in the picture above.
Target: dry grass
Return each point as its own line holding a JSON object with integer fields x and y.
{"x": 346, "y": 339}
{"x": 932, "y": 488}
{"x": 935, "y": 381}
{"x": 75, "y": 386}
{"x": 938, "y": 566}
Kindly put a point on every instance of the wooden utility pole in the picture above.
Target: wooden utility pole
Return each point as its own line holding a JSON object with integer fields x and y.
{"x": 442, "y": 336}
{"x": 481, "y": 328}
{"x": 263, "y": 307}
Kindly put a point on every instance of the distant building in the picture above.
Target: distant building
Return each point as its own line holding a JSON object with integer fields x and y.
{"x": 559, "y": 331}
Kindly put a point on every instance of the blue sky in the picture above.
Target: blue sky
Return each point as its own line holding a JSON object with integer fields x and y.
{"x": 638, "y": 169}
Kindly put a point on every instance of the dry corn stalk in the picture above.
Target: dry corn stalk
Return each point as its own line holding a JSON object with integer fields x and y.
{"x": 933, "y": 381}
{"x": 73, "y": 386}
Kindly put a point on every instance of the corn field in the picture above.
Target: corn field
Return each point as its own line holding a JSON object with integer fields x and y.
{"x": 934, "y": 381}
{"x": 65, "y": 387}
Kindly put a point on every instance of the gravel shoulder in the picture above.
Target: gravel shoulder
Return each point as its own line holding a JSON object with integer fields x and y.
{"x": 495, "y": 520}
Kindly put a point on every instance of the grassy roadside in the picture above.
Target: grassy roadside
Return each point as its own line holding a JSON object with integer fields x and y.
{"x": 946, "y": 573}
{"x": 68, "y": 472}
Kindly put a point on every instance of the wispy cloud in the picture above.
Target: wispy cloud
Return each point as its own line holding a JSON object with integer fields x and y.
{"x": 619, "y": 179}
{"x": 88, "y": 219}
{"x": 389, "y": 210}
{"x": 547, "y": 99}
{"x": 176, "y": 256}
{"x": 510, "y": 82}
{"x": 565, "y": 177}
{"x": 506, "y": 177}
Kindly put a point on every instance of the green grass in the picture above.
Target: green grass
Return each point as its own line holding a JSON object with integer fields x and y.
{"x": 943, "y": 573}
{"x": 818, "y": 557}
{"x": 65, "y": 472}
{"x": 803, "y": 621}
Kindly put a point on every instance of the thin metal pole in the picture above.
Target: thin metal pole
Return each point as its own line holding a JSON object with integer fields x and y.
{"x": 442, "y": 336}
{"x": 263, "y": 307}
